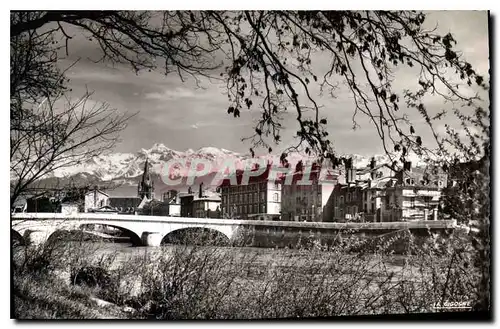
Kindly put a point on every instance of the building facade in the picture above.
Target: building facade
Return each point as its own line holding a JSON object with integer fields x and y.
{"x": 207, "y": 207}
{"x": 204, "y": 204}
{"x": 125, "y": 204}
{"x": 390, "y": 194}
{"x": 305, "y": 196}
{"x": 95, "y": 199}
{"x": 259, "y": 199}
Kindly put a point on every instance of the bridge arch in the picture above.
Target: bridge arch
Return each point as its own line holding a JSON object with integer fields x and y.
{"x": 198, "y": 235}
{"x": 134, "y": 237}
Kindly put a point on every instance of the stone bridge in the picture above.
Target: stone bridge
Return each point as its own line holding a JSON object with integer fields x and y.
{"x": 152, "y": 230}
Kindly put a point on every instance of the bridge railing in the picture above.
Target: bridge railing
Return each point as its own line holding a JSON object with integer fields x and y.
{"x": 422, "y": 224}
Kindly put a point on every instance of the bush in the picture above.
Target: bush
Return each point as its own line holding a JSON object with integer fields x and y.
{"x": 352, "y": 276}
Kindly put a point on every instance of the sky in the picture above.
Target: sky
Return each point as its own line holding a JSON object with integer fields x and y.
{"x": 183, "y": 116}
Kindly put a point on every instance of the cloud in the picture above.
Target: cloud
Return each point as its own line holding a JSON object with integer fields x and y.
{"x": 176, "y": 93}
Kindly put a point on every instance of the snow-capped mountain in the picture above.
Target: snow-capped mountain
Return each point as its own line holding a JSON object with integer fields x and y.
{"x": 131, "y": 165}
{"x": 126, "y": 169}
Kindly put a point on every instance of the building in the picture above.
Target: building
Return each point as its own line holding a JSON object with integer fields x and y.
{"x": 306, "y": 202}
{"x": 168, "y": 206}
{"x": 204, "y": 204}
{"x": 95, "y": 199}
{"x": 171, "y": 198}
{"x": 42, "y": 203}
{"x": 186, "y": 201}
{"x": 69, "y": 208}
{"x": 385, "y": 194}
{"x": 259, "y": 199}
{"x": 347, "y": 202}
{"x": 125, "y": 204}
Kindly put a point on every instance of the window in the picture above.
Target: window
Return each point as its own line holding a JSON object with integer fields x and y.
{"x": 263, "y": 208}
{"x": 262, "y": 196}
{"x": 427, "y": 200}
{"x": 341, "y": 199}
{"x": 412, "y": 202}
{"x": 275, "y": 197}
{"x": 410, "y": 181}
{"x": 276, "y": 185}
{"x": 348, "y": 197}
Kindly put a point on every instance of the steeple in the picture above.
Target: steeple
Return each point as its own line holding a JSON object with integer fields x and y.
{"x": 146, "y": 186}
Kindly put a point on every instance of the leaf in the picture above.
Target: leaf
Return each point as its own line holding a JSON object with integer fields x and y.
{"x": 419, "y": 141}
{"x": 322, "y": 121}
{"x": 412, "y": 130}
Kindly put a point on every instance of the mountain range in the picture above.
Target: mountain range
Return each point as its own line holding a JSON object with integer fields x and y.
{"x": 124, "y": 170}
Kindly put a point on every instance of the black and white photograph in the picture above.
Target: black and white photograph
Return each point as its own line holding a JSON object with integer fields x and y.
{"x": 250, "y": 164}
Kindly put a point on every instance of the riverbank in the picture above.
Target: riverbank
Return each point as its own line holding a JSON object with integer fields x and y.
{"x": 200, "y": 282}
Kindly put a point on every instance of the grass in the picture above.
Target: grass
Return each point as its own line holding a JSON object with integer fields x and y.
{"x": 196, "y": 282}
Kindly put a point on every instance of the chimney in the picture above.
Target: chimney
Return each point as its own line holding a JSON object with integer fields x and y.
{"x": 372, "y": 167}
{"x": 200, "y": 191}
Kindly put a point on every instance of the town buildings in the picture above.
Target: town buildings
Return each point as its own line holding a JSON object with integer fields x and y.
{"x": 384, "y": 193}
{"x": 374, "y": 193}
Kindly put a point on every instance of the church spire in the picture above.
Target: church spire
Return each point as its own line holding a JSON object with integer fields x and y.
{"x": 146, "y": 177}
{"x": 146, "y": 188}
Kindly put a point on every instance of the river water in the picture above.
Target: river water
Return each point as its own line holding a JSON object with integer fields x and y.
{"x": 124, "y": 251}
